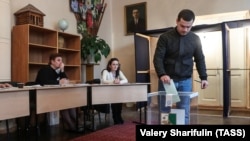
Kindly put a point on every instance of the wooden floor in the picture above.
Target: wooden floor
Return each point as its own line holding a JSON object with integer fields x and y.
{"x": 57, "y": 133}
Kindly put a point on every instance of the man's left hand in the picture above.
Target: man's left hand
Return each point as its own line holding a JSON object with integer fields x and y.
{"x": 204, "y": 84}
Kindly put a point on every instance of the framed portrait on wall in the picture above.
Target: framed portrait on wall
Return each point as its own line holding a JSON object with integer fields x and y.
{"x": 135, "y": 18}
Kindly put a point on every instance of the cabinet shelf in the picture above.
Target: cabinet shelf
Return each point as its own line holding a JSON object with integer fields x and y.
{"x": 66, "y": 49}
{"x": 71, "y": 65}
{"x": 32, "y": 49}
{"x": 36, "y": 63}
{"x": 33, "y": 45}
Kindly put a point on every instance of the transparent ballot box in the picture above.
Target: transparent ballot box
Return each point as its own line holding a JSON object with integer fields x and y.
{"x": 172, "y": 109}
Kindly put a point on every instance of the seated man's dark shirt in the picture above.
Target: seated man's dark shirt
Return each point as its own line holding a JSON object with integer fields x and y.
{"x": 47, "y": 75}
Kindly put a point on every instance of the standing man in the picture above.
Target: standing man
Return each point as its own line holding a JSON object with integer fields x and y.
{"x": 137, "y": 23}
{"x": 175, "y": 54}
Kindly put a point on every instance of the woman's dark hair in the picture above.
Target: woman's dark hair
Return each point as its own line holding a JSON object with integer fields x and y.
{"x": 53, "y": 57}
{"x": 186, "y": 15}
{"x": 109, "y": 69}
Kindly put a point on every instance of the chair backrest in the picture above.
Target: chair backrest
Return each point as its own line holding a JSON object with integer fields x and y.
{"x": 94, "y": 81}
{"x": 30, "y": 83}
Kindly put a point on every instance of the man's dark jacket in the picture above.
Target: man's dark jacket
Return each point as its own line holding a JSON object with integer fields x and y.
{"x": 175, "y": 56}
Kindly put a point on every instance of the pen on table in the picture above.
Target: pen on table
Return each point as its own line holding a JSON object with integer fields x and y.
{"x": 197, "y": 81}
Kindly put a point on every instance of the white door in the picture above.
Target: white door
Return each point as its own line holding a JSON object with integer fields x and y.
{"x": 212, "y": 48}
{"x": 238, "y": 53}
{"x": 239, "y": 61}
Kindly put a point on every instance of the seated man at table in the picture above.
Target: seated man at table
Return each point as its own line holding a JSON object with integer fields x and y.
{"x": 53, "y": 74}
{"x": 5, "y": 85}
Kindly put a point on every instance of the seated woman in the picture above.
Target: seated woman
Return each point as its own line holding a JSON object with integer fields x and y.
{"x": 113, "y": 75}
{"x": 54, "y": 74}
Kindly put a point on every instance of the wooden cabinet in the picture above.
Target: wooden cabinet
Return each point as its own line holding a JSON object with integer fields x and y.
{"x": 71, "y": 55}
{"x": 32, "y": 46}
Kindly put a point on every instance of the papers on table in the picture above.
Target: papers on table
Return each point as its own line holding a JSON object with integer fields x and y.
{"x": 9, "y": 88}
{"x": 51, "y": 85}
{"x": 32, "y": 86}
{"x": 81, "y": 84}
{"x": 67, "y": 85}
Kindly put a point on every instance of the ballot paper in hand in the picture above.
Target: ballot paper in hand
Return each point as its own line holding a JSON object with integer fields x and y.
{"x": 171, "y": 89}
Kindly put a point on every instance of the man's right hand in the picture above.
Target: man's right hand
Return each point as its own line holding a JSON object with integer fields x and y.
{"x": 165, "y": 79}
{"x": 62, "y": 67}
{"x": 63, "y": 81}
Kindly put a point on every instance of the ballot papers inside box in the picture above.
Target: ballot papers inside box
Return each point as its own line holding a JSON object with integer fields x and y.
{"x": 162, "y": 110}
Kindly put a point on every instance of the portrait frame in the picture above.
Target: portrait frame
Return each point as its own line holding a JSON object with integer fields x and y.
{"x": 128, "y": 10}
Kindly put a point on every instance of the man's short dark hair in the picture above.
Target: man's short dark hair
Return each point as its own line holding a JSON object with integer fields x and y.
{"x": 186, "y": 14}
{"x": 53, "y": 56}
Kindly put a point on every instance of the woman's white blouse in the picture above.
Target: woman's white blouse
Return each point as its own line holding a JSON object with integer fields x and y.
{"x": 108, "y": 77}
